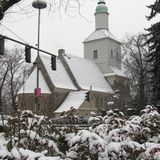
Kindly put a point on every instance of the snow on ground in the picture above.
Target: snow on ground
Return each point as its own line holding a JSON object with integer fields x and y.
{"x": 3, "y": 150}
{"x": 19, "y": 153}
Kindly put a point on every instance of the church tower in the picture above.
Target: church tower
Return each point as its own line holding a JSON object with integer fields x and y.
{"x": 104, "y": 49}
{"x": 102, "y": 46}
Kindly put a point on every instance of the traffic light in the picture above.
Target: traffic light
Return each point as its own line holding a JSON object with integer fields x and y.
{"x": 1, "y": 46}
{"x": 28, "y": 54}
{"x": 87, "y": 96}
{"x": 53, "y": 62}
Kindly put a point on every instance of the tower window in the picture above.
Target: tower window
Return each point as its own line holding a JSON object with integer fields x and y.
{"x": 95, "y": 54}
{"x": 117, "y": 56}
{"x": 111, "y": 53}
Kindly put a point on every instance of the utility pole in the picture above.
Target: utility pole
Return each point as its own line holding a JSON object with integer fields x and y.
{"x": 38, "y": 4}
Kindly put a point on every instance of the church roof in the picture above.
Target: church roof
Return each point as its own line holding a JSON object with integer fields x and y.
{"x": 31, "y": 84}
{"x": 60, "y": 77}
{"x": 115, "y": 71}
{"x": 74, "y": 99}
{"x": 87, "y": 74}
{"x": 100, "y": 34}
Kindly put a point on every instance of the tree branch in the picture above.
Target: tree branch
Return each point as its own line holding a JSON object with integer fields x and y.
{"x": 5, "y": 5}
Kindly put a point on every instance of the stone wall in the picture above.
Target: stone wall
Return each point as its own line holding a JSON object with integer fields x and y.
{"x": 48, "y": 102}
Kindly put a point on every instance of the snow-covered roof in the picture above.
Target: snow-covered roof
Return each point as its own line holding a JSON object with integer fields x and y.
{"x": 31, "y": 83}
{"x": 60, "y": 77}
{"x": 74, "y": 99}
{"x": 116, "y": 71}
{"x": 100, "y": 34}
{"x": 87, "y": 74}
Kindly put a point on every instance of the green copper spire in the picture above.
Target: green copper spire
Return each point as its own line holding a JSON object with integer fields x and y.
{"x": 101, "y": 7}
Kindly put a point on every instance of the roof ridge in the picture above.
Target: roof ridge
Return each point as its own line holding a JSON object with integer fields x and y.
{"x": 69, "y": 71}
{"x": 73, "y": 56}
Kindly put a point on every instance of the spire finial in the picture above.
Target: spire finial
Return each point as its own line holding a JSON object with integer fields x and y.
{"x": 101, "y": 7}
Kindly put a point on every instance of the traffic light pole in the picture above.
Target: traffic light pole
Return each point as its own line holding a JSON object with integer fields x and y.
{"x": 24, "y": 44}
{"x": 90, "y": 99}
{"x": 38, "y": 50}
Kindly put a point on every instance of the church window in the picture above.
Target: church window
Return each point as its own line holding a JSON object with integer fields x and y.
{"x": 95, "y": 54}
{"x": 111, "y": 53}
{"x": 117, "y": 56}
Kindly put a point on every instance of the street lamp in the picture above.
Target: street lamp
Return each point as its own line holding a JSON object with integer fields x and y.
{"x": 38, "y": 4}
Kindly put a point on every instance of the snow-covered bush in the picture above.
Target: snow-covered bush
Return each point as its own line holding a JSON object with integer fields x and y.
{"x": 130, "y": 138}
{"x": 29, "y": 131}
{"x": 112, "y": 137}
{"x": 85, "y": 145}
{"x": 69, "y": 117}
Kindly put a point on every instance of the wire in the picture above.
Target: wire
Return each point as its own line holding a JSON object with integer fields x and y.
{"x": 14, "y": 33}
{"x": 25, "y": 43}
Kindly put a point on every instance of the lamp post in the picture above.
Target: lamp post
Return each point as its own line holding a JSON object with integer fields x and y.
{"x": 38, "y": 4}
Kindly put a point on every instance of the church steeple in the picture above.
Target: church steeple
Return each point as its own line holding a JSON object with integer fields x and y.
{"x": 101, "y": 15}
{"x": 102, "y": 46}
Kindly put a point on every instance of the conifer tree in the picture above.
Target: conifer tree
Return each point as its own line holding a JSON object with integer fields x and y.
{"x": 154, "y": 55}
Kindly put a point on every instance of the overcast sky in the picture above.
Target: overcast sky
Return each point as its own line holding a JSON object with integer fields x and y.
{"x": 126, "y": 17}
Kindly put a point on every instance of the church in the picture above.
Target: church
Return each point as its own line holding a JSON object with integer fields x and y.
{"x": 97, "y": 75}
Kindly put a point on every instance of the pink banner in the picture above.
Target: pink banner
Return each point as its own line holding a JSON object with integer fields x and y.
{"x": 38, "y": 92}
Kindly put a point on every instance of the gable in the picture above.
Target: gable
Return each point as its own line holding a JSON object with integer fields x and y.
{"x": 31, "y": 83}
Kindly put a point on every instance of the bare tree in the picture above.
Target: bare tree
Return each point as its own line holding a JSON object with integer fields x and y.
{"x": 134, "y": 62}
{"x": 3, "y": 72}
{"x": 14, "y": 71}
{"x": 5, "y": 5}
{"x": 68, "y": 6}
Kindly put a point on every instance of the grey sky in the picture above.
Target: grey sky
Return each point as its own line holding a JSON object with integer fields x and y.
{"x": 126, "y": 17}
